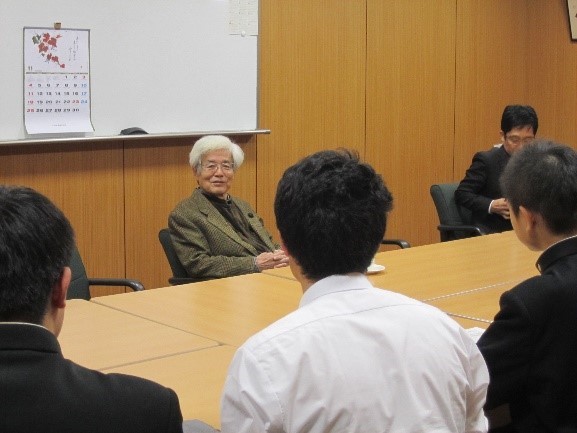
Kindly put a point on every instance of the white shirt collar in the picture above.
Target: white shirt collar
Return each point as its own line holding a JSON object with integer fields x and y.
{"x": 333, "y": 284}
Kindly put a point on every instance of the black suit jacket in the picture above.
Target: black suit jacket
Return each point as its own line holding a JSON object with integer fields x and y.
{"x": 531, "y": 346}
{"x": 481, "y": 185}
{"x": 40, "y": 391}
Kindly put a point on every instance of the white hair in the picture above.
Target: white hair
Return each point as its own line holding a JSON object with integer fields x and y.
{"x": 208, "y": 143}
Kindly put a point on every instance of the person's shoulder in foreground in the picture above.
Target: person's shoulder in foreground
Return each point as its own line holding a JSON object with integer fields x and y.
{"x": 40, "y": 388}
{"x": 531, "y": 346}
{"x": 353, "y": 357}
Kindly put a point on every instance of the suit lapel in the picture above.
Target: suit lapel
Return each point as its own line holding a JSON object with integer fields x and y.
{"x": 214, "y": 217}
{"x": 256, "y": 225}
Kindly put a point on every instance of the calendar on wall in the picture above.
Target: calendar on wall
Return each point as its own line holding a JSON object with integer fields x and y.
{"x": 57, "y": 80}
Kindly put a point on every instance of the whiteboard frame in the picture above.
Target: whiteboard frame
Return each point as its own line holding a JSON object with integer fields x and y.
{"x": 220, "y": 92}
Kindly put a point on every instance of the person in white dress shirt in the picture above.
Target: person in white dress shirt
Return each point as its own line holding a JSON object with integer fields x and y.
{"x": 352, "y": 357}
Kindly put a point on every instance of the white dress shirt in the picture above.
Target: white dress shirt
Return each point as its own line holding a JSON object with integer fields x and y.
{"x": 354, "y": 358}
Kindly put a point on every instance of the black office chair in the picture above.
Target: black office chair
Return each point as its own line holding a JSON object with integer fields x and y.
{"x": 80, "y": 283}
{"x": 455, "y": 221}
{"x": 399, "y": 242}
{"x": 179, "y": 274}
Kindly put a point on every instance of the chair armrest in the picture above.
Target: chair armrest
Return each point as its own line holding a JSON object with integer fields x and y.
{"x": 399, "y": 242}
{"x": 175, "y": 281}
{"x": 465, "y": 228}
{"x": 133, "y": 284}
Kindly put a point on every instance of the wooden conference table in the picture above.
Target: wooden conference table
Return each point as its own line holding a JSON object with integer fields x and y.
{"x": 431, "y": 271}
{"x": 185, "y": 336}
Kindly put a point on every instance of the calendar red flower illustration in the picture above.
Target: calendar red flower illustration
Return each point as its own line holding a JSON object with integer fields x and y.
{"x": 46, "y": 45}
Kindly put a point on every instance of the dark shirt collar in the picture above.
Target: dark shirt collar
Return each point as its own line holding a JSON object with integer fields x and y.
{"x": 217, "y": 200}
{"x": 27, "y": 336}
{"x": 566, "y": 247}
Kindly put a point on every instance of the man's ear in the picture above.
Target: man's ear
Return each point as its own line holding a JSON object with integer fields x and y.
{"x": 284, "y": 248}
{"x": 529, "y": 219}
{"x": 60, "y": 289}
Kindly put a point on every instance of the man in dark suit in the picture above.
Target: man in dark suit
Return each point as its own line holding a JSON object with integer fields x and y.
{"x": 531, "y": 346}
{"x": 479, "y": 191}
{"x": 40, "y": 391}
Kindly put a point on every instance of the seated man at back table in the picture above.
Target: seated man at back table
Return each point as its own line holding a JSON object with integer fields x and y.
{"x": 531, "y": 346}
{"x": 214, "y": 234}
{"x": 352, "y": 358}
{"x": 479, "y": 191}
{"x": 40, "y": 390}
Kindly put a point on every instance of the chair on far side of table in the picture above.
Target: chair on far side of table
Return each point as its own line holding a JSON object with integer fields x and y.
{"x": 80, "y": 283}
{"x": 398, "y": 242}
{"x": 179, "y": 274}
{"x": 456, "y": 222}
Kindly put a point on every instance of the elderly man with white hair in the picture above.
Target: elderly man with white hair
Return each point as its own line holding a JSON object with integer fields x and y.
{"x": 214, "y": 234}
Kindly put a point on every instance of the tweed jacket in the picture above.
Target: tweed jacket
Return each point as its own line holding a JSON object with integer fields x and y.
{"x": 481, "y": 185}
{"x": 207, "y": 245}
{"x": 41, "y": 391}
{"x": 531, "y": 346}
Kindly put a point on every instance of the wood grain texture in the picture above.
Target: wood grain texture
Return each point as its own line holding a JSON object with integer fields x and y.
{"x": 552, "y": 70}
{"x": 430, "y": 271}
{"x": 99, "y": 337}
{"x": 409, "y": 109}
{"x": 87, "y": 184}
{"x": 228, "y": 310}
{"x": 492, "y": 55}
{"x": 311, "y": 85}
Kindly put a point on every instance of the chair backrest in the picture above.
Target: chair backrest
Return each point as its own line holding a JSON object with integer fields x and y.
{"x": 449, "y": 212}
{"x": 178, "y": 270}
{"x": 79, "y": 287}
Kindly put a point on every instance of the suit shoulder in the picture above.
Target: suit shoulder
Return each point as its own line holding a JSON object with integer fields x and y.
{"x": 130, "y": 402}
{"x": 190, "y": 203}
{"x": 118, "y": 384}
{"x": 489, "y": 154}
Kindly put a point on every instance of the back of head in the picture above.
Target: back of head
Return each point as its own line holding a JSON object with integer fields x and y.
{"x": 331, "y": 211}
{"x": 209, "y": 143}
{"x": 36, "y": 242}
{"x": 516, "y": 116}
{"x": 542, "y": 177}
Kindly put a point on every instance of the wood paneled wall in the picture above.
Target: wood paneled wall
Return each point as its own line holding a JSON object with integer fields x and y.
{"x": 86, "y": 182}
{"x": 415, "y": 87}
{"x": 312, "y": 85}
{"x": 409, "y": 110}
{"x": 491, "y": 72}
{"x": 552, "y": 70}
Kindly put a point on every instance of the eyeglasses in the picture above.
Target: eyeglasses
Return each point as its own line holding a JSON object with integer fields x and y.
{"x": 212, "y": 167}
{"x": 515, "y": 139}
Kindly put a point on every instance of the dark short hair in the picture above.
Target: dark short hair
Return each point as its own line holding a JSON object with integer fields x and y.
{"x": 331, "y": 212}
{"x": 542, "y": 177}
{"x": 516, "y": 116}
{"x": 36, "y": 242}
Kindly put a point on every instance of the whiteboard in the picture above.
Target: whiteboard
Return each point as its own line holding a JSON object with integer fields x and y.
{"x": 165, "y": 66}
